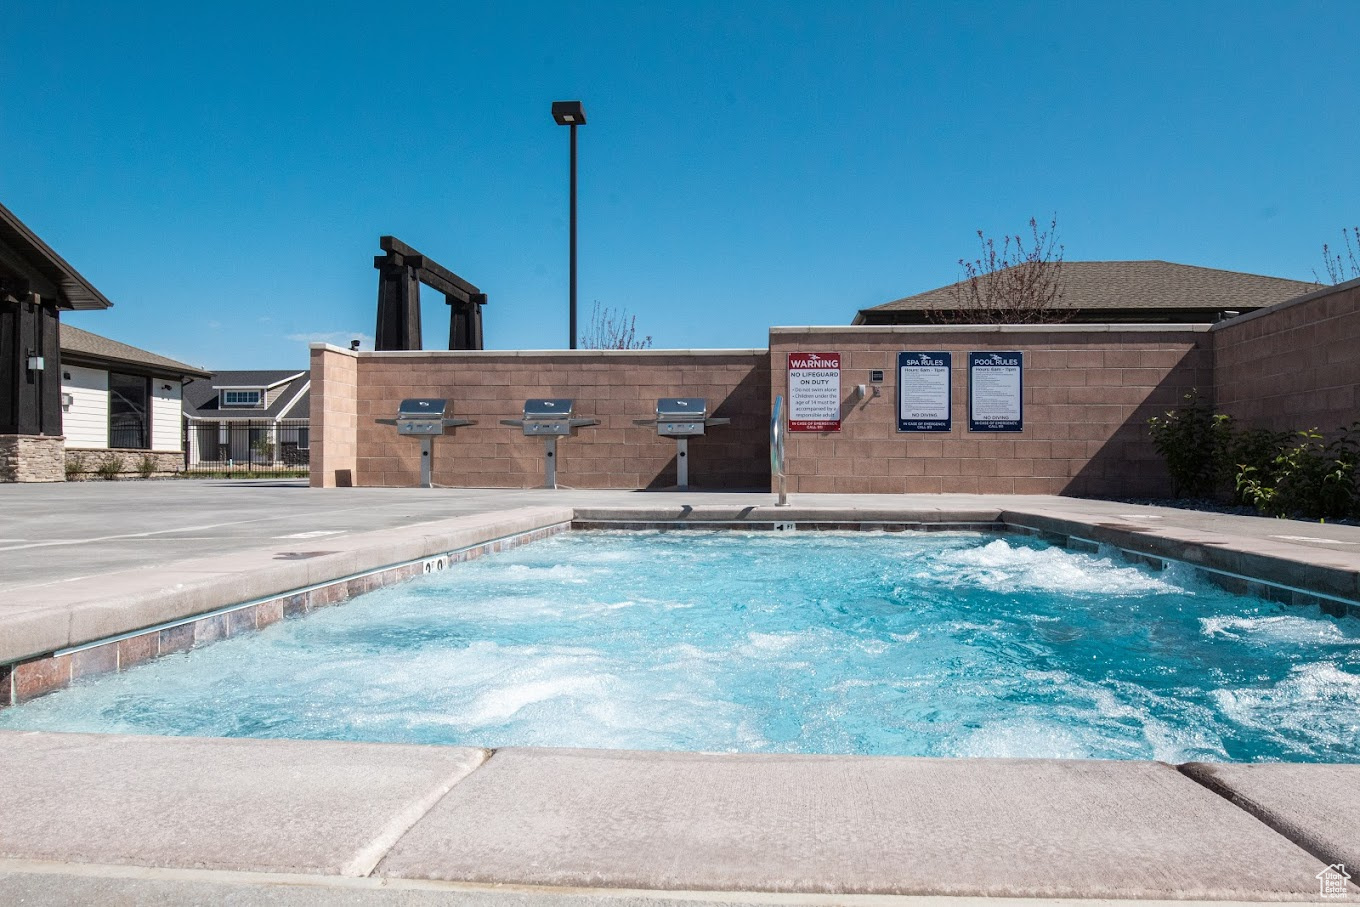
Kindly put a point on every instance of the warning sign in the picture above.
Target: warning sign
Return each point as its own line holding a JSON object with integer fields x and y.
{"x": 814, "y": 391}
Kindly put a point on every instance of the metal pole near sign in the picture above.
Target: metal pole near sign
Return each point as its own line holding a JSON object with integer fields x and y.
{"x": 777, "y": 450}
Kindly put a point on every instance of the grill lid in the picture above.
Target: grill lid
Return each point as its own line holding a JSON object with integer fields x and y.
{"x": 681, "y": 408}
{"x": 543, "y": 409}
{"x": 422, "y": 408}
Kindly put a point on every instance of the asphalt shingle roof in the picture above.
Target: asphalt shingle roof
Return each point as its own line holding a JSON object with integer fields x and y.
{"x": 201, "y": 399}
{"x": 81, "y": 343}
{"x": 1141, "y": 285}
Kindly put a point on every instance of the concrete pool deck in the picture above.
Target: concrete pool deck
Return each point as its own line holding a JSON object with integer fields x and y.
{"x": 145, "y": 820}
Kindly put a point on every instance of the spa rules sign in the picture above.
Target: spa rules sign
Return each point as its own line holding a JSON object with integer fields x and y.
{"x": 814, "y": 391}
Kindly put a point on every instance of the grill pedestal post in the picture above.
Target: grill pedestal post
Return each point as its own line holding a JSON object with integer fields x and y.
{"x": 426, "y": 458}
{"x": 682, "y": 462}
{"x": 550, "y": 462}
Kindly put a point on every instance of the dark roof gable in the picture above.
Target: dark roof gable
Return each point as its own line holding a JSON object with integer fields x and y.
{"x": 254, "y": 378}
{"x": 202, "y": 399}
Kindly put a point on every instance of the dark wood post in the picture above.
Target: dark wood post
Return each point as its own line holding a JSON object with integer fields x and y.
{"x": 398, "y": 307}
{"x": 465, "y": 322}
{"x": 30, "y": 398}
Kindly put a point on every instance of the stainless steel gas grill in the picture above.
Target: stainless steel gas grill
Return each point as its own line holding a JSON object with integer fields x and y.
{"x": 426, "y": 418}
{"x": 682, "y": 418}
{"x": 549, "y": 420}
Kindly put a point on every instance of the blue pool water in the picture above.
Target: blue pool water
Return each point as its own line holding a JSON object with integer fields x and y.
{"x": 947, "y": 644}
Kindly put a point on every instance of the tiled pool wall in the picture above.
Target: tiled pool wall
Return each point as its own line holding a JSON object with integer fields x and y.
{"x": 1332, "y": 605}
{"x": 641, "y": 525}
{"x": 34, "y": 677}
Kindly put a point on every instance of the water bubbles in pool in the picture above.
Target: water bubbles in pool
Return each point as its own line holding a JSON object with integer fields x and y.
{"x": 1277, "y": 629}
{"x": 877, "y": 643}
{"x": 1003, "y": 566}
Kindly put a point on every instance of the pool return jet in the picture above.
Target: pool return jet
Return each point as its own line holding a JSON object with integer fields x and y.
{"x": 425, "y": 418}
{"x": 549, "y": 420}
{"x": 682, "y": 418}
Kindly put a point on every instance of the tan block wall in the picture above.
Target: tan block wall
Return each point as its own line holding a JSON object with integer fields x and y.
{"x": 334, "y": 417}
{"x": 1293, "y": 366}
{"x": 1088, "y": 393}
{"x": 615, "y": 387}
{"x": 32, "y": 458}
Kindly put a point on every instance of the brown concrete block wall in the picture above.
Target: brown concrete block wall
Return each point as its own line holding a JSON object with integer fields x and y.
{"x": 1088, "y": 393}
{"x": 615, "y": 387}
{"x": 334, "y": 416}
{"x": 1292, "y": 366}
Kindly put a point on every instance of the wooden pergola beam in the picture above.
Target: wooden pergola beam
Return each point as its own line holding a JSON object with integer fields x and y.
{"x": 430, "y": 267}
{"x": 401, "y": 270}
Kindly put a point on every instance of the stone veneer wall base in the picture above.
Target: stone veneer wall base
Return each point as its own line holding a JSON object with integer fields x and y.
{"x": 84, "y": 463}
{"x": 32, "y": 458}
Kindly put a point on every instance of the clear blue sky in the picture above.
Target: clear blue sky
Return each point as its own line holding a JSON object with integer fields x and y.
{"x": 223, "y": 172}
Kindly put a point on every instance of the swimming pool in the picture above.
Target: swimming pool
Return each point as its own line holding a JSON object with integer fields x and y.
{"x": 941, "y": 643}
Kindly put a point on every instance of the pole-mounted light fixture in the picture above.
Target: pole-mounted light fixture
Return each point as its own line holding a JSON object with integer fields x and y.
{"x": 571, "y": 113}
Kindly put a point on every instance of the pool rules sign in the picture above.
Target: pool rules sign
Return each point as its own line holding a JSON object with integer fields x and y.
{"x": 814, "y": 391}
{"x": 996, "y": 391}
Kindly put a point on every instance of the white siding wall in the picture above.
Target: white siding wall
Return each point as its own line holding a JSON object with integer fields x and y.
{"x": 86, "y": 423}
{"x": 166, "y": 414}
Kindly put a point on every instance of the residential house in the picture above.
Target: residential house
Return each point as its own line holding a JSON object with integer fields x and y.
{"x": 120, "y": 402}
{"x": 249, "y": 417}
{"x": 1123, "y": 292}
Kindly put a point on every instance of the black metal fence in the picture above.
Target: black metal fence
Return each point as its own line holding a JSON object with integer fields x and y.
{"x": 257, "y": 447}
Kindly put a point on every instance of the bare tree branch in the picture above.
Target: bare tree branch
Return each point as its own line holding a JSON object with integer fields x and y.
{"x": 1015, "y": 284}
{"x": 613, "y": 330}
{"x": 1340, "y": 270}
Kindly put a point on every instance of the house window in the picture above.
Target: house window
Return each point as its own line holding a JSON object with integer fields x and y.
{"x": 241, "y": 398}
{"x": 129, "y": 412}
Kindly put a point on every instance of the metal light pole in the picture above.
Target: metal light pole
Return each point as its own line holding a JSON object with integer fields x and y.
{"x": 571, "y": 113}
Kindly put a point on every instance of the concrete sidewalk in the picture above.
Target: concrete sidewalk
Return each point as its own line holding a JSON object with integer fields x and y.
{"x": 577, "y": 821}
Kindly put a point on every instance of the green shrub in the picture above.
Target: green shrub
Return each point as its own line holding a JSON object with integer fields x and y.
{"x": 1189, "y": 440}
{"x": 109, "y": 467}
{"x": 1279, "y": 473}
{"x": 1248, "y": 451}
{"x": 75, "y": 465}
{"x": 148, "y": 466}
{"x": 1311, "y": 478}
